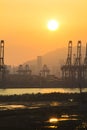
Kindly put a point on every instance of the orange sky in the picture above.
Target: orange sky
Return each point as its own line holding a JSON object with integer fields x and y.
{"x": 23, "y": 26}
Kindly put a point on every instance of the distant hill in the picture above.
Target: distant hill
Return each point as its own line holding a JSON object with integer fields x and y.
{"x": 51, "y": 58}
{"x": 56, "y": 57}
{"x": 54, "y": 60}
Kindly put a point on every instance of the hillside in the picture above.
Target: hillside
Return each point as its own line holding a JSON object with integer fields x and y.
{"x": 55, "y": 59}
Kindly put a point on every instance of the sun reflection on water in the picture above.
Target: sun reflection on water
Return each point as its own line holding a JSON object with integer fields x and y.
{"x": 53, "y": 120}
{"x": 65, "y": 116}
{"x": 62, "y": 118}
{"x": 53, "y": 126}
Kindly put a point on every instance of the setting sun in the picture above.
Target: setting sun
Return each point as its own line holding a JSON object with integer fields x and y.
{"x": 44, "y": 25}
{"x": 53, "y": 25}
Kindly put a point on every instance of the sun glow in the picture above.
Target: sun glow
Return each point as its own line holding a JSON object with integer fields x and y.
{"x": 53, "y": 25}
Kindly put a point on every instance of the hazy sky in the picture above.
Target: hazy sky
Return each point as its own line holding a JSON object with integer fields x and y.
{"x": 23, "y": 26}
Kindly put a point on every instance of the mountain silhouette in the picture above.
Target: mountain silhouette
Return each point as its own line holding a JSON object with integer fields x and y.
{"x": 56, "y": 58}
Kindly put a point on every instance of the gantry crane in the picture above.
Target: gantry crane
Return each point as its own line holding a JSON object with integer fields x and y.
{"x": 2, "y": 67}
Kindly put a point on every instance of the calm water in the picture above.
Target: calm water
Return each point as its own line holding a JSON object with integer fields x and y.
{"x": 21, "y": 91}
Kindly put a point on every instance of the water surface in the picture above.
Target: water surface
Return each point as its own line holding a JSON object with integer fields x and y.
{"x": 20, "y": 91}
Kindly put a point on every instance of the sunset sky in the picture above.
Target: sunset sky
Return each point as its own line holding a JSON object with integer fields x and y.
{"x": 23, "y": 26}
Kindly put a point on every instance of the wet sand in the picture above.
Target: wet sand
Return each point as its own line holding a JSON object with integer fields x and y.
{"x": 33, "y": 112}
{"x": 38, "y": 118}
